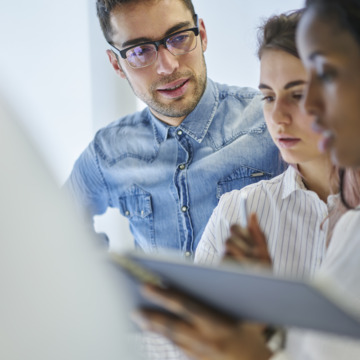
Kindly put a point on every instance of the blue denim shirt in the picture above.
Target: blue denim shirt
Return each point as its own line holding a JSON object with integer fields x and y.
{"x": 167, "y": 180}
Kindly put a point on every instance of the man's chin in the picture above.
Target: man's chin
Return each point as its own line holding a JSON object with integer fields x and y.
{"x": 176, "y": 108}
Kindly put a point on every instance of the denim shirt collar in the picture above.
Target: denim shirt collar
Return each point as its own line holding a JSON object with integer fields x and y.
{"x": 197, "y": 123}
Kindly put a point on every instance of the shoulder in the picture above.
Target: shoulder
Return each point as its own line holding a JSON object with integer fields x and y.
{"x": 238, "y": 112}
{"x": 341, "y": 264}
{"x": 130, "y": 136}
{"x": 264, "y": 189}
{"x": 245, "y": 98}
{"x": 239, "y": 92}
{"x": 138, "y": 122}
{"x": 347, "y": 231}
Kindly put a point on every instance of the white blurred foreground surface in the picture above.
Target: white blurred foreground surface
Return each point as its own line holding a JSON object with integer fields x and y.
{"x": 60, "y": 298}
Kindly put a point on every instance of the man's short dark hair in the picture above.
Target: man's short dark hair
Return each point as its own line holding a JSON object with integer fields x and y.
{"x": 105, "y": 7}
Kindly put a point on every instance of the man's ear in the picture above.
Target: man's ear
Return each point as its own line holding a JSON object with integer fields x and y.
{"x": 115, "y": 63}
{"x": 203, "y": 34}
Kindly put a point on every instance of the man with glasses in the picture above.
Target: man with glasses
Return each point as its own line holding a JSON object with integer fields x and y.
{"x": 165, "y": 167}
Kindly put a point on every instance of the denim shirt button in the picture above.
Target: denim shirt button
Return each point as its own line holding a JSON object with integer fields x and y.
{"x": 182, "y": 167}
{"x": 127, "y": 212}
{"x": 188, "y": 253}
{"x": 184, "y": 209}
{"x": 179, "y": 132}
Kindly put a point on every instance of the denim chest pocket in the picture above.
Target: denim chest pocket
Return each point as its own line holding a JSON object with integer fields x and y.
{"x": 135, "y": 204}
{"x": 239, "y": 178}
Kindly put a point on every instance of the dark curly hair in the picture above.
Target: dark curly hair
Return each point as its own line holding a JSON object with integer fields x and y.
{"x": 345, "y": 13}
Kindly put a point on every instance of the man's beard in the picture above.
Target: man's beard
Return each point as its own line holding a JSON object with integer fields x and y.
{"x": 153, "y": 100}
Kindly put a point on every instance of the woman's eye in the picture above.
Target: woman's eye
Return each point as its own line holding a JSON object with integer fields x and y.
{"x": 326, "y": 76}
{"x": 298, "y": 96}
{"x": 268, "y": 99}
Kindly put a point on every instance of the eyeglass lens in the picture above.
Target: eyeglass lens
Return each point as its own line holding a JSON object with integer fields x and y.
{"x": 144, "y": 55}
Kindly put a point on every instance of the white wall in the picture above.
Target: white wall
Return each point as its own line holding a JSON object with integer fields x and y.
{"x": 45, "y": 74}
{"x": 232, "y": 31}
{"x": 55, "y": 75}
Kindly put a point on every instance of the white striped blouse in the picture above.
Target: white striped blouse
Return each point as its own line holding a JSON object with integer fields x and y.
{"x": 290, "y": 216}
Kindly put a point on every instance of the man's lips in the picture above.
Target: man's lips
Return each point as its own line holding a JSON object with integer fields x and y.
{"x": 173, "y": 85}
{"x": 174, "y": 89}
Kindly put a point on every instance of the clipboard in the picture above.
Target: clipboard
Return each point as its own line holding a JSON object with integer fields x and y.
{"x": 246, "y": 293}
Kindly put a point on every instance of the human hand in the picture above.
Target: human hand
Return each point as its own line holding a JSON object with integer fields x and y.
{"x": 248, "y": 245}
{"x": 201, "y": 332}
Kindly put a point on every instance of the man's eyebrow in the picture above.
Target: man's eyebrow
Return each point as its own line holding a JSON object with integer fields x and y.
{"x": 177, "y": 27}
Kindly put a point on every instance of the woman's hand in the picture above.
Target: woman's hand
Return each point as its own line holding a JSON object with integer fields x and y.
{"x": 248, "y": 245}
{"x": 201, "y": 332}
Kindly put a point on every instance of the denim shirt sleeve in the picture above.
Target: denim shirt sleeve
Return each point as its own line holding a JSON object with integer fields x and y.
{"x": 87, "y": 185}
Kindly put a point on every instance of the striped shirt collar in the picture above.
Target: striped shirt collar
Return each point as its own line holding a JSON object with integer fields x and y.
{"x": 292, "y": 182}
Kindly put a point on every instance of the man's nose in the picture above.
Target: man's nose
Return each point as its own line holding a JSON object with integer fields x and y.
{"x": 166, "y": 62}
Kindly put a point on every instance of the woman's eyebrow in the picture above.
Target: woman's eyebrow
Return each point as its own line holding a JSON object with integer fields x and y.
{"x": 294, "y": 83}
{"x": 264, "y": 86}
{"x": 286, "y": 87}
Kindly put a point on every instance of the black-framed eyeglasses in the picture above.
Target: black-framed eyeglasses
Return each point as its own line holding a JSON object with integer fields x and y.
{"x": 145, "y": 54}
